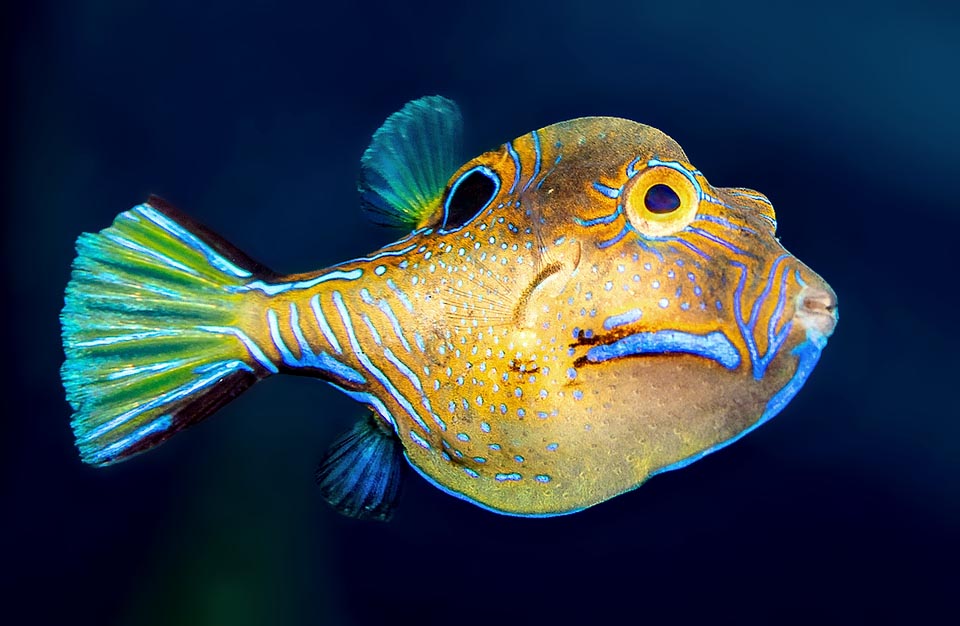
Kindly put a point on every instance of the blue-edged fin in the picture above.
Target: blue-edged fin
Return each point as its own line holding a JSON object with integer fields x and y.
{"x": 361, "y": 474}
{"x": 405, "y": 170}
{"x": 151, "y": 331}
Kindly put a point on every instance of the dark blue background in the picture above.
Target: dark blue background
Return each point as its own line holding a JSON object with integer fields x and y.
{"x": 252, "y": 117}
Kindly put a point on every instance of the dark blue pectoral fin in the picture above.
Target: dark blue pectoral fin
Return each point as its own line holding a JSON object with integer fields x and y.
{"x": 405, "y": 170}
{"x": 360, "y": 475}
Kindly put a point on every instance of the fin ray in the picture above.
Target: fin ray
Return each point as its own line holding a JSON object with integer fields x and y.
{"x": 361, "y": 474}
{"x": 405, "y": 169}
{"x": 140, "y": 363}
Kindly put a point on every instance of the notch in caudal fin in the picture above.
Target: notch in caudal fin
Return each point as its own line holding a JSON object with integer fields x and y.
{"x": 361, "y": 474}
{"x": 151, "y": 331}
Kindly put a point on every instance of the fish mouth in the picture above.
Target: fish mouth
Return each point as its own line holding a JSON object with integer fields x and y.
{"x": 816, "y": 311}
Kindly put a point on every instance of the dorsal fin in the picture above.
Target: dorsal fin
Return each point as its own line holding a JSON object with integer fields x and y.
{"x": 406, "y": 167}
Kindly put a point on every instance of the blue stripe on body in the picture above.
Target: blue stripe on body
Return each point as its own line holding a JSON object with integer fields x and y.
{"x": 285, "y": 354}
{"x": 370, "y": 400}
{"x": 400, "y": 294}
{"x": 322, "y": 323}
{"x": 387, "y": 253}
{"x": 538, "y": 157}
{"x": 271, "y": 289}
{"x": 387, "y": 310}
{"x": 415, "y": 381}
{"x": 249, "y": 343}
{"x": 420, "y": 441}
{"x": 370, "y": 367}
{"x": 373, "y": 329}
{"x": 322, "y": 360}
{"x": 517, "y": 168}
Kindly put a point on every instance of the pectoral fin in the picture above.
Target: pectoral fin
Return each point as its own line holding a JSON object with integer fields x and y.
{"x": 360, "y": 475}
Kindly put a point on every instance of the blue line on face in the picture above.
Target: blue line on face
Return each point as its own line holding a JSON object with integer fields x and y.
{"x": 688, "y": 245}
{"x": 603, "y": 219}
{"x": 723, "y": 222}
{"x": 718, "y": 240}
{"x": 628, "y": 317}
{"x": 550, "y": 171}
{"x": 610, "y": 192}
{"x": 748, "y": 327}
{"x": 610, "y": 242}
{"x": 714, "y": 346}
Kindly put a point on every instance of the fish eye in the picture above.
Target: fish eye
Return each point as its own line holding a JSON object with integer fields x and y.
{"x": 661, "y": 199}
{"x": 470, "y": 193}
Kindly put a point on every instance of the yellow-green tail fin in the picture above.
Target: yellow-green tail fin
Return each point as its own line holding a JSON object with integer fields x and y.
{"x": 151, "y": 333}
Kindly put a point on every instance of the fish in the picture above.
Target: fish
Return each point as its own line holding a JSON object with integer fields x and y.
{"x": 561, "y": 318}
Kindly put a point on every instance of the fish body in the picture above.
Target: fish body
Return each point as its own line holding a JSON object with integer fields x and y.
{"x": 570, "y": 314}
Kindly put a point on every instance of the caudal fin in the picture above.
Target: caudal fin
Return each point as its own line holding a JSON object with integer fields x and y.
{"x": 150, "y": 331}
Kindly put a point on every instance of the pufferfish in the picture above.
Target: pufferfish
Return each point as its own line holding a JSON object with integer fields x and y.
{"x": 569, "y": 315}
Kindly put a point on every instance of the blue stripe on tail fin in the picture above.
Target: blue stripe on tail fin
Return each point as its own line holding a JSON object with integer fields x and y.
{"x": 151, "y": 331}
{"x": 361, "y": 474}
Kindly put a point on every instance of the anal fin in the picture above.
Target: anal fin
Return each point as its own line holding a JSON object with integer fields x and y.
{"x": 361, "y": 474}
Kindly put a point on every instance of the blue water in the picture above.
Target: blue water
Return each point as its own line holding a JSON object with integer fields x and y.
{"x": 252, "y": 116}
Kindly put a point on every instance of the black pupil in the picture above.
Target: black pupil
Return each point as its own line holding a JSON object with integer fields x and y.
{"x": 470, "y": 195}
{"x": 661, "y": 199}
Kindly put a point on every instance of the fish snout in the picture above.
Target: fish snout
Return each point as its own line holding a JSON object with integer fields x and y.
{"x": 817, "y": 309}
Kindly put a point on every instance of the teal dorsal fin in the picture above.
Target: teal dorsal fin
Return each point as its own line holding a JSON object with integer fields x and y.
{"x": 361, "y": 473}
{"x": 406, "y": 167}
